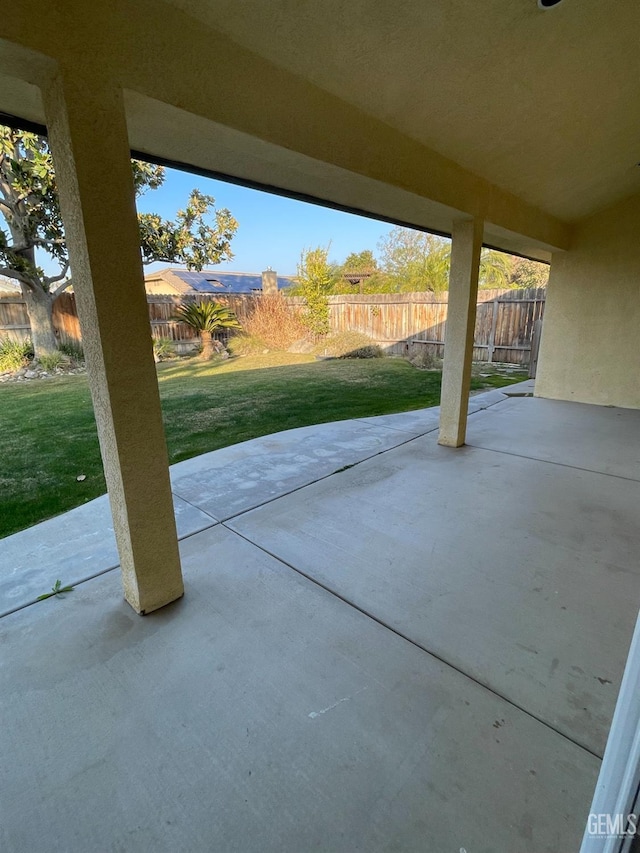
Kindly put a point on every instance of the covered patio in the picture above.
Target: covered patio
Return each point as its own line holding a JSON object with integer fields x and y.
{"x": 410, "y": 634}
{"x": 354, "y": 666}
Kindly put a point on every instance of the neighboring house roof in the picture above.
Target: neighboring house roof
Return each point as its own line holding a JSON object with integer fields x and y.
{"x": 210, "y": 281}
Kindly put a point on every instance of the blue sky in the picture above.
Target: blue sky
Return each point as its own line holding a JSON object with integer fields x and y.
{"x": 272, "y": 230}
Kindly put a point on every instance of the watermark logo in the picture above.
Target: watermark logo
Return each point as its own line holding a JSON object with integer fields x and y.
{"x": 612, "y": 825}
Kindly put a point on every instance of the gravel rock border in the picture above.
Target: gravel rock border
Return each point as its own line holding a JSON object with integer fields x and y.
{"x": 36, "y": 371}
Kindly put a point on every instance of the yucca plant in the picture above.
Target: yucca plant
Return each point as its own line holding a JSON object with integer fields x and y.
{"x": 207, "y": 318}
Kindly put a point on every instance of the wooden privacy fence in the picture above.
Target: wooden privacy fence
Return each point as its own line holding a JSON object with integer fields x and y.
{"x": 162, "y": 309}
{"x": 505, "y": 319}
{"x": 14, "y": 320}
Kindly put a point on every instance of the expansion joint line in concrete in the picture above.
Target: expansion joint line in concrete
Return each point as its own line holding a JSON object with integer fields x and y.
{"x": 553, "y": 462}
{"x": 84, "y": 580}
{"x": 215, "y": 521}
{"x": 224, "y": 518}
{"x": 413, "y": 642}
{"x": 199, "y": 509}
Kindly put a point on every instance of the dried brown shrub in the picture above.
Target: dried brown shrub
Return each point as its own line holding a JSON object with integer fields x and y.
{"x": 424, "y": 357}
{"x": 274, "y": 322}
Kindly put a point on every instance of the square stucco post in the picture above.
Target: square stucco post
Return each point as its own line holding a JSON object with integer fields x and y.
{"x": 458, "y": 340}
{"x": 90, "y": 147}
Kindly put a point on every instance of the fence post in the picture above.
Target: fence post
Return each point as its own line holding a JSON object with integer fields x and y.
{"x": 492, "y": 334}
{"x": 535, "y": 348}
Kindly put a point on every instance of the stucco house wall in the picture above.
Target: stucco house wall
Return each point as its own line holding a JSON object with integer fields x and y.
{"x": 590, "y": 349}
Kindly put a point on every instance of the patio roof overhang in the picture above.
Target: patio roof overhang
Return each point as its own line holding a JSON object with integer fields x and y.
{"x": 485, "y": 110}
{"x": 253, "y": 120}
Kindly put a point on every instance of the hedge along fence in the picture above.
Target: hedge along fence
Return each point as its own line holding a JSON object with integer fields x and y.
{"x": 505, "y": 319}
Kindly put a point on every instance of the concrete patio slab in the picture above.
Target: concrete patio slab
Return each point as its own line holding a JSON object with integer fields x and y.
{"x": 418, "y": 422}
{"x": 233, "y": 479}
{"x": 480, "y": 400}
{"x": 596, "y": 438}
{"x": 261, "y": 713}
{"x": 71, "y": 547}
{"x": 521, "y": 574}
{"x": 520, "y": 389}
{"x": 460, "y": 586}
{"x": 80, "y": 543}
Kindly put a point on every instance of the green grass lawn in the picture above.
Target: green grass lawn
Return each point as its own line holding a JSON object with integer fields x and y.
{"x": 49, "y": 435}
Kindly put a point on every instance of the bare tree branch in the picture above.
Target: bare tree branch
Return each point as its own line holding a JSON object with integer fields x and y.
{"x": 38, "y": 241}
{"x": 49, "y": 280}
{"x": 65, "y": 284}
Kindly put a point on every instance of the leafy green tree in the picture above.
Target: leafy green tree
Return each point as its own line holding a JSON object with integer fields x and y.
{"x": 356, "y": 272}
{"x": 415, "y": 261}
{"x": 526, "y": 273}
{"x": 315, "y": 280}
{"x": 207, "y": 318}
{"x": 495, "y": 269}
{"x": 30, "y": 208}
{"x": 360, "y": 262}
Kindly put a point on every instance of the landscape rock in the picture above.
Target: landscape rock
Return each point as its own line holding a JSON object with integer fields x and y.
{"x": 34, "y": 371}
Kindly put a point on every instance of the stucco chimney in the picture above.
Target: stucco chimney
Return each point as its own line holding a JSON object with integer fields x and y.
{"x": 269, "y": 282}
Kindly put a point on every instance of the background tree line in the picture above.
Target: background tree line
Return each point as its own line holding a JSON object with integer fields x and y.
{"x": 408, "y": 262}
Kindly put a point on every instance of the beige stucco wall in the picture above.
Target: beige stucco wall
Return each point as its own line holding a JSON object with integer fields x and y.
{"x": 590, "y": 349}
{"x": 159, "y": 287}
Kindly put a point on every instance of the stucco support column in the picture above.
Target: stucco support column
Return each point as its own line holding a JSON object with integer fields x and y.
{"x": 90, "y": 146}
{"x": 458, "y": 340}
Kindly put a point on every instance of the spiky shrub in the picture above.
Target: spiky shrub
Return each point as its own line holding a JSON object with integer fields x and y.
{"x": 163, "y": 349}
{"x": 73, "y": 349}
{"x": 207, "y": 318}
{"x": 14, "y": 354}
{"x": 51, "y": 360}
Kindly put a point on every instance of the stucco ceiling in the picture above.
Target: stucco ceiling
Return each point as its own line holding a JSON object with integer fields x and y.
{"x": 542, "y": 104}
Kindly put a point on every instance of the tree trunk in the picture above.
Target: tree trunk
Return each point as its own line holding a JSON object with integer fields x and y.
{"x": 207, "y": 345}
{"x": 40, "y": 311}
